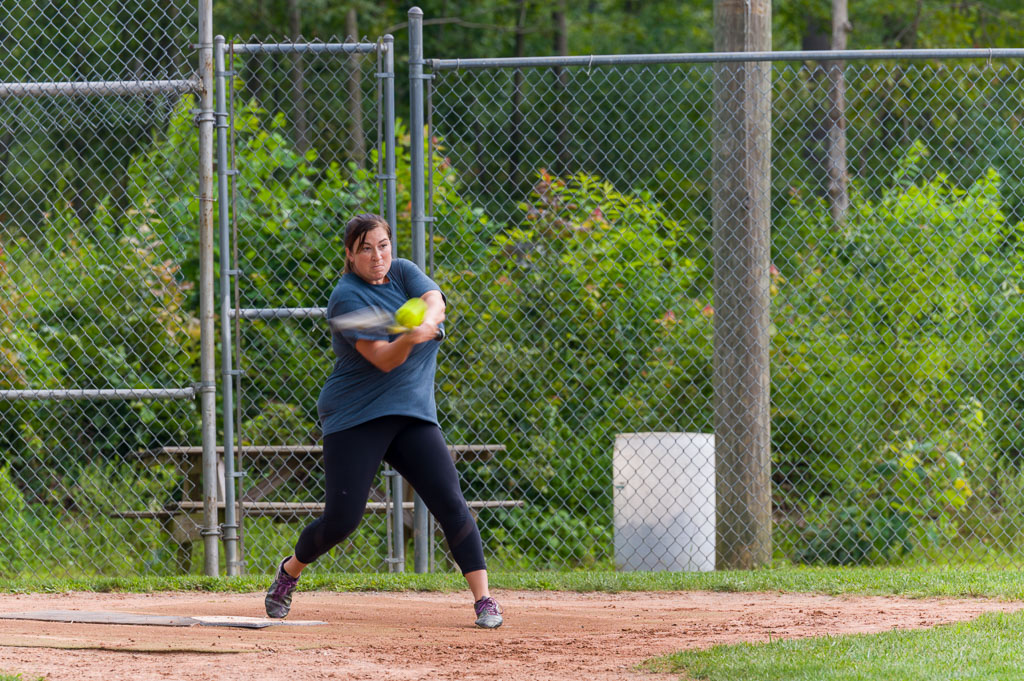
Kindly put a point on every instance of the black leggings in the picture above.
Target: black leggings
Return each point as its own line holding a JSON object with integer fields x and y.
{"x": 416, "y": 449}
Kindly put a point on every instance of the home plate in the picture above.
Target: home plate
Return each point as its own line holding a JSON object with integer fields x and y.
{"x": 249, "y": 622}
{"x": 87, "y": 617}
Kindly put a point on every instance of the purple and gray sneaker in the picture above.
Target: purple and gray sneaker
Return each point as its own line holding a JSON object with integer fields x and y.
{"x": 488, "y": 613}
{"x": 279, "y": 595}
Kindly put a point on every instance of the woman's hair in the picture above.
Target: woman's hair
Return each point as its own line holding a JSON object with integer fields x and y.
{"x": 356, "y": 229}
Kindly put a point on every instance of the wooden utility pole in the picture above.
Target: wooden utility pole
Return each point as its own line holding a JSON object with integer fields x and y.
{"x": 838, "y": 178}
{"x": 741, "y": 205}
{"x": 298, "y": 80}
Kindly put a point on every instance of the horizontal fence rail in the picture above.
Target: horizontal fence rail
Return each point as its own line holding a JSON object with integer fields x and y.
{"x": 101, "y": 394}
{"x": 98, "y": 88}
{"x": 279, "y": 313}
{"x": 725, "y": 58}
{"x": 304, "y": 48}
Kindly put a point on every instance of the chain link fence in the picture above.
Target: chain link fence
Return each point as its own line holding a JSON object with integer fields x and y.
{"x": 597, "y": 298}
{"x": 573, "y": 231}
{"x": 98, "y": 333}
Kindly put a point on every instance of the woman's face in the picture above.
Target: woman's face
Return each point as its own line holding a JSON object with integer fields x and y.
{"x": 371, "y": 258}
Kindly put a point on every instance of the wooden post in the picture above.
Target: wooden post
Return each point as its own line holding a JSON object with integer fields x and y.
{"x": 741, "y": 204}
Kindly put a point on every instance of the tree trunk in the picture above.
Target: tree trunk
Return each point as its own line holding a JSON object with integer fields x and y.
{"x": 838, "y": 177}
{"x": 440, "y": 27}
{"x": 560, "y": 109}
{"x": 82, "y": 202}
{"x": 298, "y": 81}
{"x": 174, "y": 62}
{"x": 256, "y": 65}
{"x": 817, "y": 37}
{"x": 741, "y": 205}
{"x": 911, "y": 42}
{"x": 139, "y": 130}
{"x": 515, "y": 120}
{"x": 356, "y": 140}
{"x": 172, "y": 44}
{"x": 81, "y": 142}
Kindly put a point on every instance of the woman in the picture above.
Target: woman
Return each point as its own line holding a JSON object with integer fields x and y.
{"x": 378, "y": 405}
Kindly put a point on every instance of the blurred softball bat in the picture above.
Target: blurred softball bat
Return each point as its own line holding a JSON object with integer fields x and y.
{"x": 373, "y": 320}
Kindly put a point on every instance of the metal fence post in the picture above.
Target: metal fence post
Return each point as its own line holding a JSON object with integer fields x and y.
{"x": 231, "y": 556}
{"x": 396, "y": 561}
{"x": 390, "y": 175}
{"x": 420, "y": 518}
{"x": 205, "y": 120}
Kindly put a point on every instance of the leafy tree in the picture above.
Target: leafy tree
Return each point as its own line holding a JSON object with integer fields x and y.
{"x": 806, "y": 24}
{"x": 78, "y": 148}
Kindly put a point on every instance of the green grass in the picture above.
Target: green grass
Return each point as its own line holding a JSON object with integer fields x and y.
{"x": 987, "y": 648}
{"x": 17, "y": 677}
{"x": 961, "y": 581}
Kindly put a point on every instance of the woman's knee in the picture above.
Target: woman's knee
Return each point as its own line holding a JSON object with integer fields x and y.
{"x": 450, "y": 509}
{"x": 336, "y": 529}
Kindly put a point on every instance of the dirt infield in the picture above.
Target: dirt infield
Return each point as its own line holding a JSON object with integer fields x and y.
{"x": 404, "y": 636}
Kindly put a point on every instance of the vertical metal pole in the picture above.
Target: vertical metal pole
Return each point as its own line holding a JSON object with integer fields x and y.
{"x": 390, "y": 176}
{"x": 416, "y": 132}
{"x": 397, "y": 563}
{"x": 223, "y": 204}
{"x": 380, "y": 138}
{"x": 421, "y": 520}
{"x": 208, "y": 386}
{"x": 237, "y": 372}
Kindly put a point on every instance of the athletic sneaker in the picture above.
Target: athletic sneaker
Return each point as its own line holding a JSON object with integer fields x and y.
{"x": 488, "y": 613}
{"x": 279, "y": 595}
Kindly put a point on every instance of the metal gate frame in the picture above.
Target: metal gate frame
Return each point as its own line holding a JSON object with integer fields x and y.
{"x": 231, "y": 310}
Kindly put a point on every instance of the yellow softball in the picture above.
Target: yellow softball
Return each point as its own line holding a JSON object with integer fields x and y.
{"x": 411, "y": 313}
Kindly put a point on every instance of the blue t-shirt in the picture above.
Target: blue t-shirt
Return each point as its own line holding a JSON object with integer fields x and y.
{"x": 357, "y": 391}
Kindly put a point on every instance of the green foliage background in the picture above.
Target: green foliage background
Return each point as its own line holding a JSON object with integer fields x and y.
{"x": 580, "y": 298}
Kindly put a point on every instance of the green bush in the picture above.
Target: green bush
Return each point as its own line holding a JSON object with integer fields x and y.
{"x": 16, "y": 529}
{"x": 74, "y": 289}
{"x": 900, "y": 329}
{"x": 79, "y": 534}
{"x": 911, "y": 500}
{"x": 573, "y": 326}
{"x": 895, "y": 346}
{"x": 551, "y": 538}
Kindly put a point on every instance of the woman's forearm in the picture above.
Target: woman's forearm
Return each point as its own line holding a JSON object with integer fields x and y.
{"x": 386, "y": 355}
{"x": 435, "y": 307}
